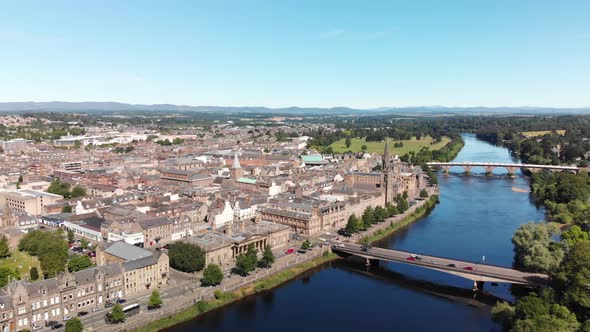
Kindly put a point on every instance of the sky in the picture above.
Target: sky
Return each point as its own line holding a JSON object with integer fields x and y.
{"x": 308, "y": 53}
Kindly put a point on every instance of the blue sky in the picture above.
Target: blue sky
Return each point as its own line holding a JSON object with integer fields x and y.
{"x": 297, "y": 53}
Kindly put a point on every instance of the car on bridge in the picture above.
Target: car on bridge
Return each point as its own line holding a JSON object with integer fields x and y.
{"x": 411, "y": 258}
{"x": 468, "y": 268}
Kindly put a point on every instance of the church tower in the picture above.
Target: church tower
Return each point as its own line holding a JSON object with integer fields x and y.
{"x": 387, "y": 175}
{"x": 236, "y": 171}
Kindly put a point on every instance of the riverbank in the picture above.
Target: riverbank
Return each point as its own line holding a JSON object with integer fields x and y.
{"x": 418, "y": 213}
{"x": 223, "y": 298}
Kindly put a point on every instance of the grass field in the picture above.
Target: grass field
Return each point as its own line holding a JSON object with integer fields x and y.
{"x": 541, "y": 132}
{"x": 378, "y": 147}
{"x": 23, "y": 262}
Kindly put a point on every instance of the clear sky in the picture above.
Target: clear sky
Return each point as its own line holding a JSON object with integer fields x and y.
{"x": 297, "y": 53}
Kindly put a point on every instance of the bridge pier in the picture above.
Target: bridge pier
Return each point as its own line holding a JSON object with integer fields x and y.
{"x": 371, "y": 262}
{"x": 477, "y": 285}
{"x": 467, "y": 169}
{"x": 445, "y": 169}
{"x": 511, "y": 171}
{"x": 489, "y": 170}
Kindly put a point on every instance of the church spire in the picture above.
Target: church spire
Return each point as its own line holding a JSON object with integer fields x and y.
{"x": 236, "y": 161}
{"x": 386, "y": 157}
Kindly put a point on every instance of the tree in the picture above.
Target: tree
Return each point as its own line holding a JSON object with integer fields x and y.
{"x": 573, "y": 279}
{"x": 503, "y": 313}
{"x": 49, "y": 247}
{"x": 66, "y": 209}
{"x": 380, "y": 214}
{"x": 368, "y": 217}
{"x": 34, "y": 273}
{"x": 20, "y": 178}
{"x": 246, "y": 263}
{"x": 306, "y": 245}
{"x": 402, "y": 204}
{"x": 79, "y": 263}
{"x": 353, "y": 225}
{"x": 534, "y": 248}
{"x": 392, "y": 210}
{"x": 78, "y": 191}
{"x": 348, "y": 142}
{"x": 74, "y": 325}
{"x": 364, "y": 148}
{"x": 71, "y": 236}
{"x": 574, "y": 235}
{"x": 4, "y": 249}
{"x": 155, "y": 299}
{"x": 268, "y": 258}
{"x": 7, "y": 275}
{"x": 212, "y": 275}
{"x": 117, "y": 315}
{"x": 186, "y": 257}
{"x": 423, "y": 193}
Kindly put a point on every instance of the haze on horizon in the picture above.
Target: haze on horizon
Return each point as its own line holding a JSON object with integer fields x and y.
{"x": 298, "y": 53}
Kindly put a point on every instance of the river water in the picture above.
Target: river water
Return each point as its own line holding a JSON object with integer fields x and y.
{"x": 476, "y": 217}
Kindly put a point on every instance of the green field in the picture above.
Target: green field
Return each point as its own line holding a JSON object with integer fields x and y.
{"x": 378, "y": 147}
{"x": 541, "y": 132}
{"x": 23, "y": 262}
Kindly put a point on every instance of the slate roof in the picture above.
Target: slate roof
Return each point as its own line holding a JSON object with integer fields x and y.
{"x": 127, "y": 251}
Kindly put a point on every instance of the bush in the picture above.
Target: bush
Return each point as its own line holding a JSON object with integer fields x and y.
{"x": 186, "y": 257}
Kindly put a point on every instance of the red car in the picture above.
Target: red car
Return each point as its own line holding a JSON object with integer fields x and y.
{"x": 411, "y": 258}
{"x": 289, "y": 251}
{"x": 468, "y": 268}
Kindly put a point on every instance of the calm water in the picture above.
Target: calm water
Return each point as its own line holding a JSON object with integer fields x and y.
{"x": 476, "y": 217}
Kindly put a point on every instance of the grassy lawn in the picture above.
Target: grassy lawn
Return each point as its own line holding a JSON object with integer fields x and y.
{"x": 23, "y": 262}
{"x": 542, "y": 132}
{"x": 378, "y": 147}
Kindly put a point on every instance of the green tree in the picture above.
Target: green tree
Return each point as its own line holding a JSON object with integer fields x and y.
{"x": 212, "y": 275}
{"x": 155, "y": 299}
{"x": 74, "y": 325}
{"x": 4, "y": 249}
{"x": 534, "y": 248}
{"x": 77, "y": 144}
{"x": 20, "y": 178}
{"x": 246, "y": 263}
{"x": 364, "y": 148}
{"x": 79, "y": 263}
{"x": 423, "y": 193}
{"x": 503, "y": 313}
{"x": 353, "y": 225}
{"x": 573, "y": 279}
{"x": 392, "y": 210}
{"x": 78, "y": 191}
{"x": 6, "y": 275}
{"x": 268, "y": 258}
{"x": 34, "y": 273}
{"x": 348, "y": 142}
{"x": 306, "y": 245}
{"x": 574, "y": 235}
{"x": 49, "y": 247}
{"x": 186, "y": 257}
{"x": 66, "y": 209}
{"x": 71, "y": 236}
{"x": 117, "y": 315}
{"x": 402, "y": 204}
{"x": 368, "y": 217}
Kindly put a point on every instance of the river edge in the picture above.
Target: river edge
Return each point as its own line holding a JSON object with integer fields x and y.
{"x": 273, "y": 281}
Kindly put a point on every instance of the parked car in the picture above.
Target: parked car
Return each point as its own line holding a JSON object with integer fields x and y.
{"x": 95, "y": 309}
{"x": 289, "y": 251}
{"x": 57, "y": 326}
{"x": 109, "y": 304}
{"x": 121, "y": 301}
{"x": 51, "y": 323}
{"x": 82, "y": 313}
{"x": 410, "y": 258}
{"x": 67, "y": 318}
{"x": 37, "y": 327}
{"x": 468, "y": 268}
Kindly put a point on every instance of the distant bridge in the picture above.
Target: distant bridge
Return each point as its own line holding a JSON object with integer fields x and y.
{"x": 511, "y": 168}
{"x": 479, "y": 273}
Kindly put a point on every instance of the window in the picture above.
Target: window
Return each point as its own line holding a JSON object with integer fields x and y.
{"x": 22, "y": 310}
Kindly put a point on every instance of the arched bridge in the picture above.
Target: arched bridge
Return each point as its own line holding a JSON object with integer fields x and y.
{"x": 489, "y": 167}
{"x": 479, "y": 273}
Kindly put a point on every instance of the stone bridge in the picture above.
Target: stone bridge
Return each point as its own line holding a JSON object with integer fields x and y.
{"x": 511, "y": 168}
{"x": 477, "y": 272}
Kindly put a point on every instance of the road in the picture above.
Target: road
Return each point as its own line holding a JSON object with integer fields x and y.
{"x": 471, "y": 270}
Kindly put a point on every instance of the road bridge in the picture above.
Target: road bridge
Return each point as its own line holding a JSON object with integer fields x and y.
{"x": 510, "y": 167}
{"x": 477, "y": 272}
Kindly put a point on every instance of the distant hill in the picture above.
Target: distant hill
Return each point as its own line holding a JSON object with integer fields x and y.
{"x": 60, "y": 106}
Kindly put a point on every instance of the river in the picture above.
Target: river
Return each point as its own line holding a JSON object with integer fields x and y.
{"x": 476, "y": 217}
